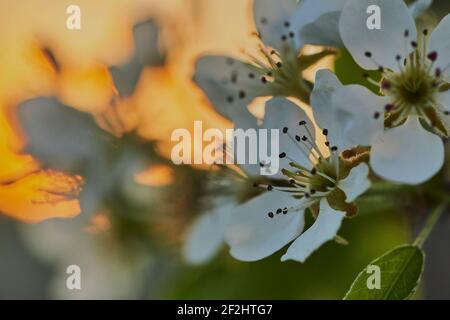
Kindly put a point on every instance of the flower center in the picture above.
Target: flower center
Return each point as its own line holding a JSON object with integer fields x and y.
{"x": 308, "y": 184}
{"x": 280, "y": 71}
{"x": 413, "y": 88}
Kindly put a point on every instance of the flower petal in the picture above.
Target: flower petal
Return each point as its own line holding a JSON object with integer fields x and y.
{"x": 205, "y": 238}
{"x": 363, "y": 105}
{"x": 443, "y": 99}
{"x": 60, "y": 136}
{"x": 356, "y": 183}
{"x": 326, "y": 113}
{"x": 440, "y": 42}
{"x": 419, "y": 6}
{"x": 318, "y": 20}
{"x": 252, "y": 235}
{"x": 384, "y": 44}
{"x": 282, "y": 113}
{"x": 229, "y": 85}
{"x": 324, "y": 229}
{"x": 407, "y": 154}
{"x": 147, "y": 54}
{"x": 270, "y": 19}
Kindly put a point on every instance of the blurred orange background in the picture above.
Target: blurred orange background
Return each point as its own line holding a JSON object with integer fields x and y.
{"x": 165, "y": 99}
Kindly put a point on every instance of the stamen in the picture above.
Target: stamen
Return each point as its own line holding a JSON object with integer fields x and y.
{"x": 432, "y": 56}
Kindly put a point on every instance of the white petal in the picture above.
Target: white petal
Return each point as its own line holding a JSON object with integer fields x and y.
{"x": 205, "y": 238}
{"x": 362, "y": 104}
{"x": 407, "y": 154}
{"x": 326, "y": 113}
{"x": 384, "y": 43}
{"x": 318, "y": 20}
{"x": 252, "y": 235}
{"x": 419, "y": 6}
{"x": 443, "y": 99}
{"x": 270, "y": 18}
{"x": 228, "y": 83}
{"x": 356, "y": 183}
{"x": 440, "y": 42}
{"x": 324, "y": 229}
{"x": 246, "y": 122}
{"x": 281, "y": 113}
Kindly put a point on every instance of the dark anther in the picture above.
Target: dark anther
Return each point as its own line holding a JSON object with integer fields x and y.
{"x": 334, "y": 148}
{"x": 297, "y": 138}
{"x": 251, "y": 75}
{"x": 282, "y": 155}
{"x": 285, "y": 129}
{"x": 302, "y": 123}
{"x": 313, "y": 191}
{"x": 366, "y": 75}
{"x": 283, "y": 37}
{"x": 279, "y": 64}
{"x": 385, "y": 85}
{"x": 406, "y": 34}
{"x": 381, "y": 69}
{"x": 368, "y": 54}
{"x": 438, "y": 72}
{"x": 398, "y": 57}
{"x": 291, "y": 181}
{"x": 325, "y": 132}
{"x": 269, "y": 74}
{"x": 313, "y": 171}
{"x": 269, "y": 188}
{"x": 285, "y": 211}
{"x": 306, "y": 195}
{"x": 230, "y": 99}
{"x": 447, "y": 112}
{"x": 287, "y": 24}
{"x": 263, "y": 20}
{"x": 376, "y": 115}
{"x": 270, "y": 214}
{"x": 327, "y": 143}
{"x": 414, "y": 44}
{"x": 279, "y": 211}
{"x": 425, "y": 32}
{"x": 304, "y": 138}
{"x": 255, "y": 185}
{"x": 241, "y": 94}
{"x": 263, "y": 79}
{"x": 388, "y": 107}
{"x": 432, "y": 56}
{"x": 291, "y": 34}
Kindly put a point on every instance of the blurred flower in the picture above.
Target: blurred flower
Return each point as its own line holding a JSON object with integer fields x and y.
{"x": 284, "y": 27}
{"x": 107, "y": 270}
{"x": 156, "y": 176}
{"x": 405, "y": 125}
{"x": 205, "y": 236}
{"x": 147, "y": 53}
{"x": 41, "y": 195}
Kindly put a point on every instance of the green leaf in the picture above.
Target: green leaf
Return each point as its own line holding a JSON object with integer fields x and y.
{"x": 399, "y": 273}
